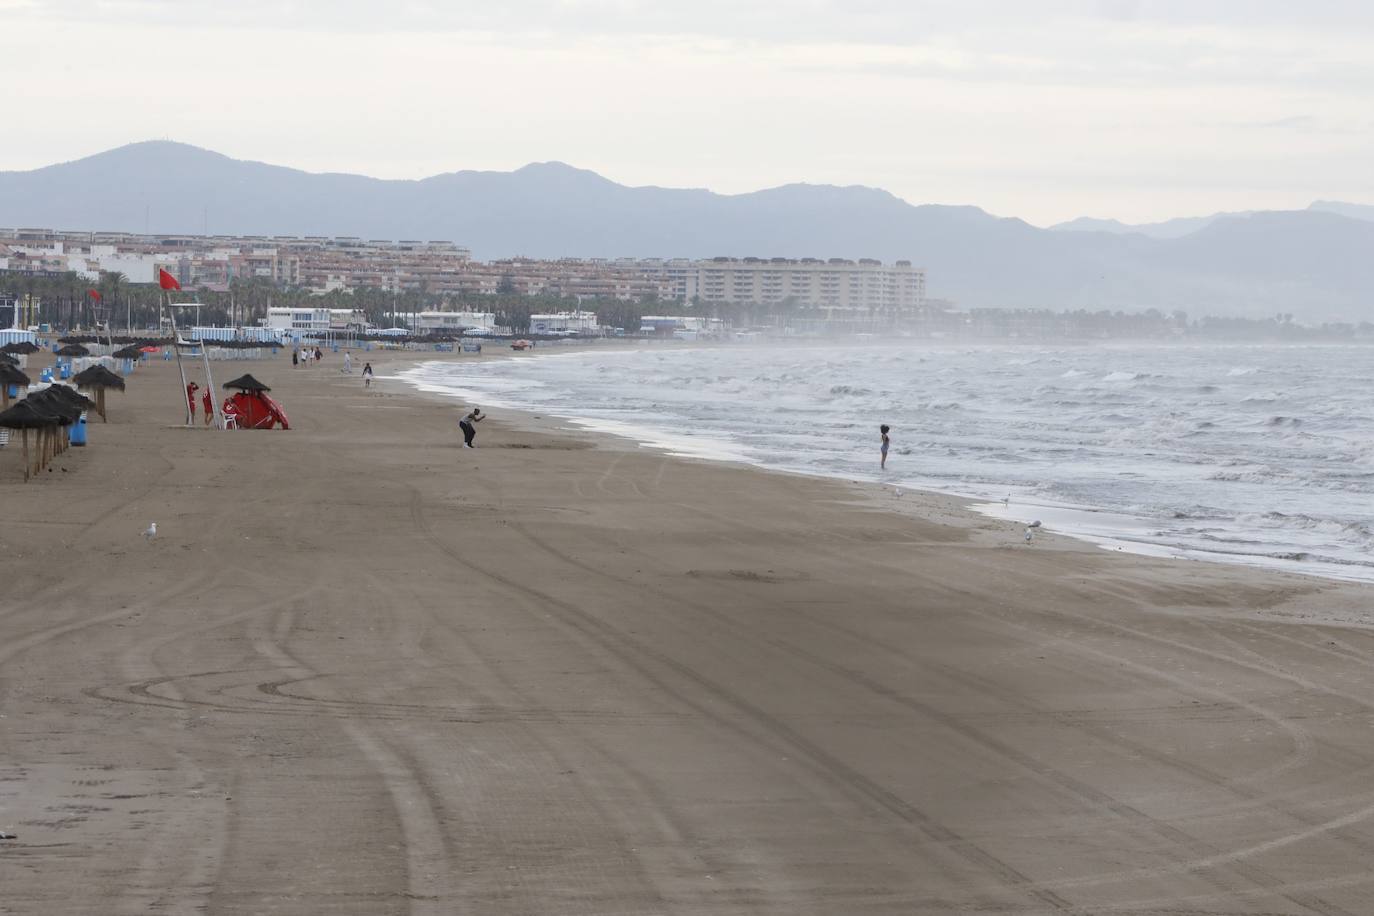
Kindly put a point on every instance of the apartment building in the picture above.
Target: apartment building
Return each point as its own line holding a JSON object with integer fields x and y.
{"x": 865, "y": 285}
{"x": 443, "y": 269}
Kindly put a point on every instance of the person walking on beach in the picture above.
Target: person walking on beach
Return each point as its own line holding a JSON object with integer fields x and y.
{"x": 883, "y": 451}
{"x": 319, "y": 354}
{"x": 367, "y": 375}
{"x": 295, "y": 357}
{"x": 469, "y": 426}
{"x": 348, "y": 363}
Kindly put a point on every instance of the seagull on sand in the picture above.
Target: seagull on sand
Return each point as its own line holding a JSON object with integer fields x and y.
{"x": 1030, "y": 529}
{"x": 151, "y": 531}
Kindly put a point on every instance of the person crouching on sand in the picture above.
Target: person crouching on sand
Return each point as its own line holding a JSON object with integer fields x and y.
{"x": 883, "y": 451}
{"x": 469, "y": 426}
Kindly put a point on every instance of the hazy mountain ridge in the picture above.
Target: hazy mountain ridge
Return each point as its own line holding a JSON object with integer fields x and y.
{"x": 1314, "y": 263}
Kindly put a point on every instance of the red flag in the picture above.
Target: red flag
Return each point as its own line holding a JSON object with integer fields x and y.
{"x": 166, "y": 280}
{"x": 94, "y": 294}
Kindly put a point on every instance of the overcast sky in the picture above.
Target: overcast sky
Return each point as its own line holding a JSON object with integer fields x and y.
{"x": 1134, "y": 109}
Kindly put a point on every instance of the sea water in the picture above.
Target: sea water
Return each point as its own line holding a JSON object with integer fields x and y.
{"x": 1253, "y": 454}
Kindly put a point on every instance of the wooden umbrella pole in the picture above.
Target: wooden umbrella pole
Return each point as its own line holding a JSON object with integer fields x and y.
{"x": 26, "y": 456}
{"x": 100, "y": 405}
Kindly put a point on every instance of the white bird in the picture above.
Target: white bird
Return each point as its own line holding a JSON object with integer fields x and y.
{"x": 151, "y": 531}
{"x": 1028, "y": 534}
{"x": 897, "y": 493}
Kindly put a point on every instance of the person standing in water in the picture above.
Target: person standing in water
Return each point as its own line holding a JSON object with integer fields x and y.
{"x": 469, "y": 426}
{"x": 883, "y": 451}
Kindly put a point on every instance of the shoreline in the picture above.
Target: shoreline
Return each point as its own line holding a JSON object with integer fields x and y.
{"x": 1081, "y": 523}
{"x": 363, "y": 670}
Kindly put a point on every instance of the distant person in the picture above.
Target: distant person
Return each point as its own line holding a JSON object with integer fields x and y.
{"x": 348, "y": 363}
{"x": 295, "y": 357}
{"x": 208, "y": 400}
{"x": 191, "y": 389}
{"x": 883, "y": 451}
{"x": 319, "y": 354}
{"x": 469, "y": 426}
{"x": 367, "y": 375}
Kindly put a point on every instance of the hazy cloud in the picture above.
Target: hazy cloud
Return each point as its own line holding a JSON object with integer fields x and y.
{"x": 1162, "y": 97}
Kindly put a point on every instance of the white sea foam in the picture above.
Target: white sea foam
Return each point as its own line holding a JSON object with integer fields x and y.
{"x": 1158, "y": 448}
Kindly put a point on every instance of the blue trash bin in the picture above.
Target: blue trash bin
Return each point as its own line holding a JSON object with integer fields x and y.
{"x": 66, "y": 370}
{"x": 13, "y": 391}
{"x": 45, "y": 375}
{"x": 127, "y": 367}
{"x": 79, "y": 431}
{"x": 166, "y": 355}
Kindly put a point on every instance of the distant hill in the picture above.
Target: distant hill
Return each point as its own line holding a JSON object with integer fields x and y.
{"x": 1168, "y": 229}
{"x": 1315, "y": 264}
{"x": 1354, "y": 211}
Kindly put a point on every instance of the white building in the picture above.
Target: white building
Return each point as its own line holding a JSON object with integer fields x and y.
{"x": 838, "y": 283}
{"x": 565, "y": 323}
{"x": 670, "y": 324}
{"x": 298, "y": 320}
{"x": 454, "y": 321}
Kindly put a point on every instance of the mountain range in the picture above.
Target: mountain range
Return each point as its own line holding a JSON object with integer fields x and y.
{"x": 1317, "y": 264}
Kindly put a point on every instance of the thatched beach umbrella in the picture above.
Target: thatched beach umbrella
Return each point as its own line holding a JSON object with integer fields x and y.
{"x": 10, "y": 375}
{"x": 25, "y": 416}
{"x": 73, "y": 349}
{"x": 97, "y": 378}
{"x": 20, "y": 347}
{"x": 133, "y": 351}
{"x": 246, "y": 382}
{"x": 64, "y": 403}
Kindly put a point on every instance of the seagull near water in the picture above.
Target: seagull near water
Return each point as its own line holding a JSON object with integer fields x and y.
{"x": 151, "y": 531}
{"x": 1030, "y": 529}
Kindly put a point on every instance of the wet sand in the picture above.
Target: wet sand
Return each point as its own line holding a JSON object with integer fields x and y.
{"x": 365, "y": 671}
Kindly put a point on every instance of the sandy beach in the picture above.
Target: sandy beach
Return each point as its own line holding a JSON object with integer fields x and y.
{"x": 362, "y": 670}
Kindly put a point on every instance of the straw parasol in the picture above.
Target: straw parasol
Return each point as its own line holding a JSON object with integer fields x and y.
{"x": 20, "y": 347}
{"x": 246, "y": 382}
{"x": 133, "y": 351}
{"x": 73, "y": 349}
{"x": 10, "y": 375}
{"x": 97, "y": 378}
{"x": 25, "y": 416}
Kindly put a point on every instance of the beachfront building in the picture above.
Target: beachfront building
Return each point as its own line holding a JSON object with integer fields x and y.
{"x": 426, "y": 322}
{"x": 565, "y": 323}
{"x": 442, "y": 269}
{"x": 837, "y": 284}
{"x": 299, "y": 319}
{"x": 689, "y": 326}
